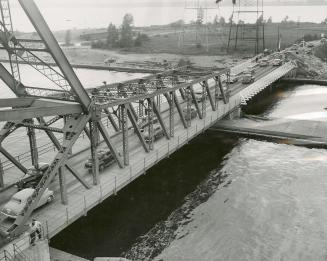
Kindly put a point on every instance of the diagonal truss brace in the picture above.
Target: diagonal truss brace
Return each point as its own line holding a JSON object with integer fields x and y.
{"x": 136, "y": 128}
{"x": 72, "y": 129}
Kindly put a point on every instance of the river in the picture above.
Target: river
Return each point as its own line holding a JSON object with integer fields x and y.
{"x": 89, "y": 78}
{"x": 271, "y": 206}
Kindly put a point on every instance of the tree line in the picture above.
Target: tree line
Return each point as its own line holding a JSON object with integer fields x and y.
{"x": 123, "y": 36}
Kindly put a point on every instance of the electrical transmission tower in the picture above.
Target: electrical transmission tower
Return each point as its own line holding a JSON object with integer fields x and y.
{"x": 247, "y": 24}
{"x": 201, "y": 29}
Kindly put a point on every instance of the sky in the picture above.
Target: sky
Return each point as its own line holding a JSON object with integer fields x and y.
{"x": 69, "y": 14}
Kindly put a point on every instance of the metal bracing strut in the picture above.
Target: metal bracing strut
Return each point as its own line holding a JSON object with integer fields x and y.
{"x": 52, "y": 45}
{"x": 196, "y": 104}
{"x": 33, "y": 145}
{"x": 72, "y": 129}
{"x": 124, "y": 122}
{"x": 171, "y": 113}
{"x": 63, "y": 186}
{"x": 204, "y": 101}
{"x": 136, "y": 128}
{"x": 150, "y": 122}
{"x": 161, "y": 121}
{"x": 207, "y": 88}
{"x": 188, "y": 106}
{"x": 94, "y": 149}
{"x": 221, "y": 88}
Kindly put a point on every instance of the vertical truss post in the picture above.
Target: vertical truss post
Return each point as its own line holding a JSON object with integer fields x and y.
{"x": 140, "y": 109}
{"x": 119, "y": 119}
{"x": 63, "y": 186}
{"x": 204, "y": 101}
{"x": 2, "y": 183}
{"x": 217, "y": 91}
{"x": 150, "y": 122}
{"x": 33, "y": 145}
{"x": 158, "y": 98}
{"x": 188, "y": 106}
{"x": 65, "y": 121}
{"x": 94, "y": 147}
{"x": 171, "y": 113}
{"x": 124, "y": 122}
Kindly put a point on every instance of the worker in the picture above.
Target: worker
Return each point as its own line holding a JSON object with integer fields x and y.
{"x": 35, "y": 231}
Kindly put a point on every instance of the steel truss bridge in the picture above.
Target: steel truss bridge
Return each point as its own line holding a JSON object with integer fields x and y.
{"x": 66, "y": 109}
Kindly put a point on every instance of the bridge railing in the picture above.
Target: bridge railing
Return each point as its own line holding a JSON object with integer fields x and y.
{"x": 265, "y": 81}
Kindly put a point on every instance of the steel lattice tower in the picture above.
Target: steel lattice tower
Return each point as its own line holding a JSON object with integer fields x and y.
{"x": 201, "y": 27}
{"x": 247, "y": 24}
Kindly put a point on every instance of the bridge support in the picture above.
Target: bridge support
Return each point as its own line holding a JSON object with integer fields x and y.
{"x": 94, "y": 149}
{"x": 124, "y": 122}
{"x": 150, "y": 123}
{"x": 171, "y": 113}
{"x": 63, "y": 187}
{"x": 33, "y": 145}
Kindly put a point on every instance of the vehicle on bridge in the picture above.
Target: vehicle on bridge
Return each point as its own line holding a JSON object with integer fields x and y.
{"x": 277, "y": 62}
{"x": 105, "y": 159}
{"x": 157, "y": 133}
{"x": 233, "y": 79}
{"x": 32, "y": 176}
{"x": 247, "y": 78}
{"x": 198, "y": 95}
{"x": 18, "y": 201}
{"x": 189, "y": 115}
{"x": 263, "y": 62}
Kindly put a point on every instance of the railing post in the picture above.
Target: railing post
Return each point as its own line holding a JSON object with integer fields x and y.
{"x": 66, "y": 215}
{"x": 115, "y": 186}
{"x": 130, "y": 173}
{"x": 85, "y": 211}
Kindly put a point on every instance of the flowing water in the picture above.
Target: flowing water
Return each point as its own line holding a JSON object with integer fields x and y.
{"x": 271, "y": 209}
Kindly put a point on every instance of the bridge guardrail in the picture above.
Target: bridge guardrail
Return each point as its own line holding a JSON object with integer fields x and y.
{"x": 265, "y": 81}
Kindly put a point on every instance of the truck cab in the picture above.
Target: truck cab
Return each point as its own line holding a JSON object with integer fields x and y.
{"x": 105, "y": 159}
